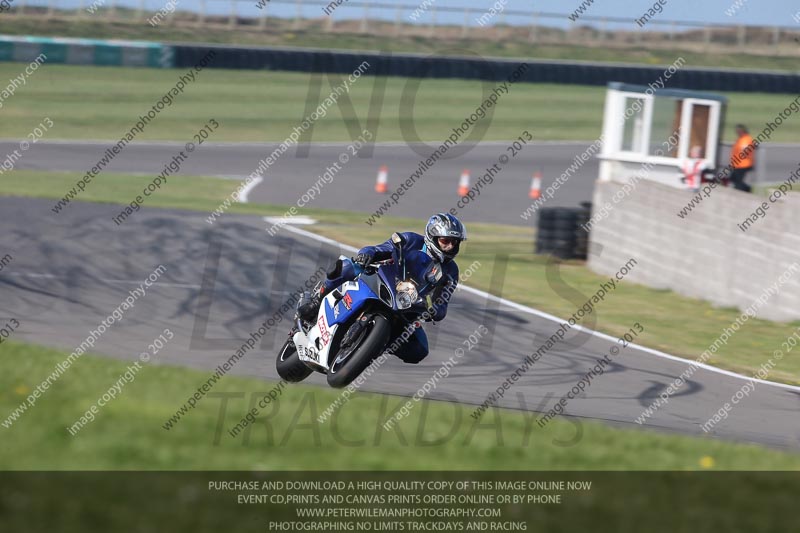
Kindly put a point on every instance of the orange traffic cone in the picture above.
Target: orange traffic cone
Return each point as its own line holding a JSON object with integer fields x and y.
{"x": 536, "y": 186}
{"x": 463, "y": 183}
{"x": 381, "y": 186}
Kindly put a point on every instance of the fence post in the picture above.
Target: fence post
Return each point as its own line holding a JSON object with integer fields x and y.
{"x": 140, "y": 11}
{"x": 465, "y": 26}
{"x": 232, "y": 16}
{"x": 534, "y": 24}
{"x": 398, "y": 13}
{"x": 740, "y": 35}
{"x": 364, "y": 25}
{"x": 432, "y": 25}
{"x": 298, "y": 14}
{"x": 262, "y": 21}
{"x": 201, "y": 16}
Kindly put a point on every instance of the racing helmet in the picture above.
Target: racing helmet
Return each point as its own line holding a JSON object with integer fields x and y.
{"x": 443, "y": 225}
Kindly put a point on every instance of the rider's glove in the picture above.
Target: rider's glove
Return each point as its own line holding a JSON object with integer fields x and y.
{"x": 363, "y": 259}
{"x": 425, "y": 309}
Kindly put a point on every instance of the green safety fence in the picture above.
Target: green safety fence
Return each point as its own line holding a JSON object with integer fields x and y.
{"x": 87, "y": 51}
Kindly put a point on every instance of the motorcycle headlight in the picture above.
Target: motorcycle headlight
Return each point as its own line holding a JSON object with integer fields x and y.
{"x": 406, "y": 294}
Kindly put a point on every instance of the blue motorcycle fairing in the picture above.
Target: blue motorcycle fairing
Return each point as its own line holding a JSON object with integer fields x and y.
{"x": 416, "y": 265}
{"x": 358, "y": 297}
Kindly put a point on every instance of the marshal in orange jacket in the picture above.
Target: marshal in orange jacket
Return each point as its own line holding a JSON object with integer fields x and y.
{"x": 743, "y": 152}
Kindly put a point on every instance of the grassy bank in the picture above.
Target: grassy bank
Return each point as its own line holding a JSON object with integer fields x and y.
{"x": 105, "y": 103}
{"x": 678, "y": 325}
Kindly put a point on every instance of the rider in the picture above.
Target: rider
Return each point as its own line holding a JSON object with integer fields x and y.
{"x": 442, "y": 240}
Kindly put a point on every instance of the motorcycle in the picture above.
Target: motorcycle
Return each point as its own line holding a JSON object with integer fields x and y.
{"x": 358, "y": 320}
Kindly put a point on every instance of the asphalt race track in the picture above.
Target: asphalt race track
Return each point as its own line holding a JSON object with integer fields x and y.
{"x": 69, "y": 271}
{"x": 502, "y": 201}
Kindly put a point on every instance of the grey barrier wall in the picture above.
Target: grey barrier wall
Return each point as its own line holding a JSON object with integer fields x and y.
{"x": 704, "y": 255}
{"x": 461, "y": 63}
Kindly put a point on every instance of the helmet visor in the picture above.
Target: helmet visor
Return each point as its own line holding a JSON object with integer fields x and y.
{"x": 447, "y": 244}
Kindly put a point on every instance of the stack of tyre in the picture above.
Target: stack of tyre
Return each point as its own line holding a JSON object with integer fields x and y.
{"x": 560, "y": 232}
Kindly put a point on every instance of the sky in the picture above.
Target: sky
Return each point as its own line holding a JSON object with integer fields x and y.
{"x": 750, "y": 12}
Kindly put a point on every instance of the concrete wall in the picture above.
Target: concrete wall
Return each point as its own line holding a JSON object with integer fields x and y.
{"x": 704, "y": 255}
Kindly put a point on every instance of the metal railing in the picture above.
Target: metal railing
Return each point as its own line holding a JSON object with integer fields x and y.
{"x": 433, "y": 21}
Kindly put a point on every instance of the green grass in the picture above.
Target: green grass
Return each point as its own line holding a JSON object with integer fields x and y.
{"x": 127, "y": 432}
{"x": 280, "y": 33}
{"x": 105, "y": 102}
{"x": 678, "y": 325}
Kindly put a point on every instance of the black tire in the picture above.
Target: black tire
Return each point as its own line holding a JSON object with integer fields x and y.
{"x": 558, "y": 243}
{"x": 555, "y": 225}
{"x": 558, "y": 214}
{"x": 548, "y": 235}
{"x": 290, "y": 367}
{"x": 371, "y": 345}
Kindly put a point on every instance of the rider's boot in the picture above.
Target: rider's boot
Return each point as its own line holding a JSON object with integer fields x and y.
{"x": 308, "y": 309}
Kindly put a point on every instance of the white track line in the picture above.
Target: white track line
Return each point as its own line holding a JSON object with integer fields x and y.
{"x": 132, "y": 282}
{"x": 542, "y": 314}
{"x": 250, "y": 186}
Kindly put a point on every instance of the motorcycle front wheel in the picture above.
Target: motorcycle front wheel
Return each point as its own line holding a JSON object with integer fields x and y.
{"x": 350, "y": 362}
{"x": 289, "y": 365}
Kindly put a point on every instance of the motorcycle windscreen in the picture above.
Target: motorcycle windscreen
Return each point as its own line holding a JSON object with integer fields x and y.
{"x": 422, "y": 269}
